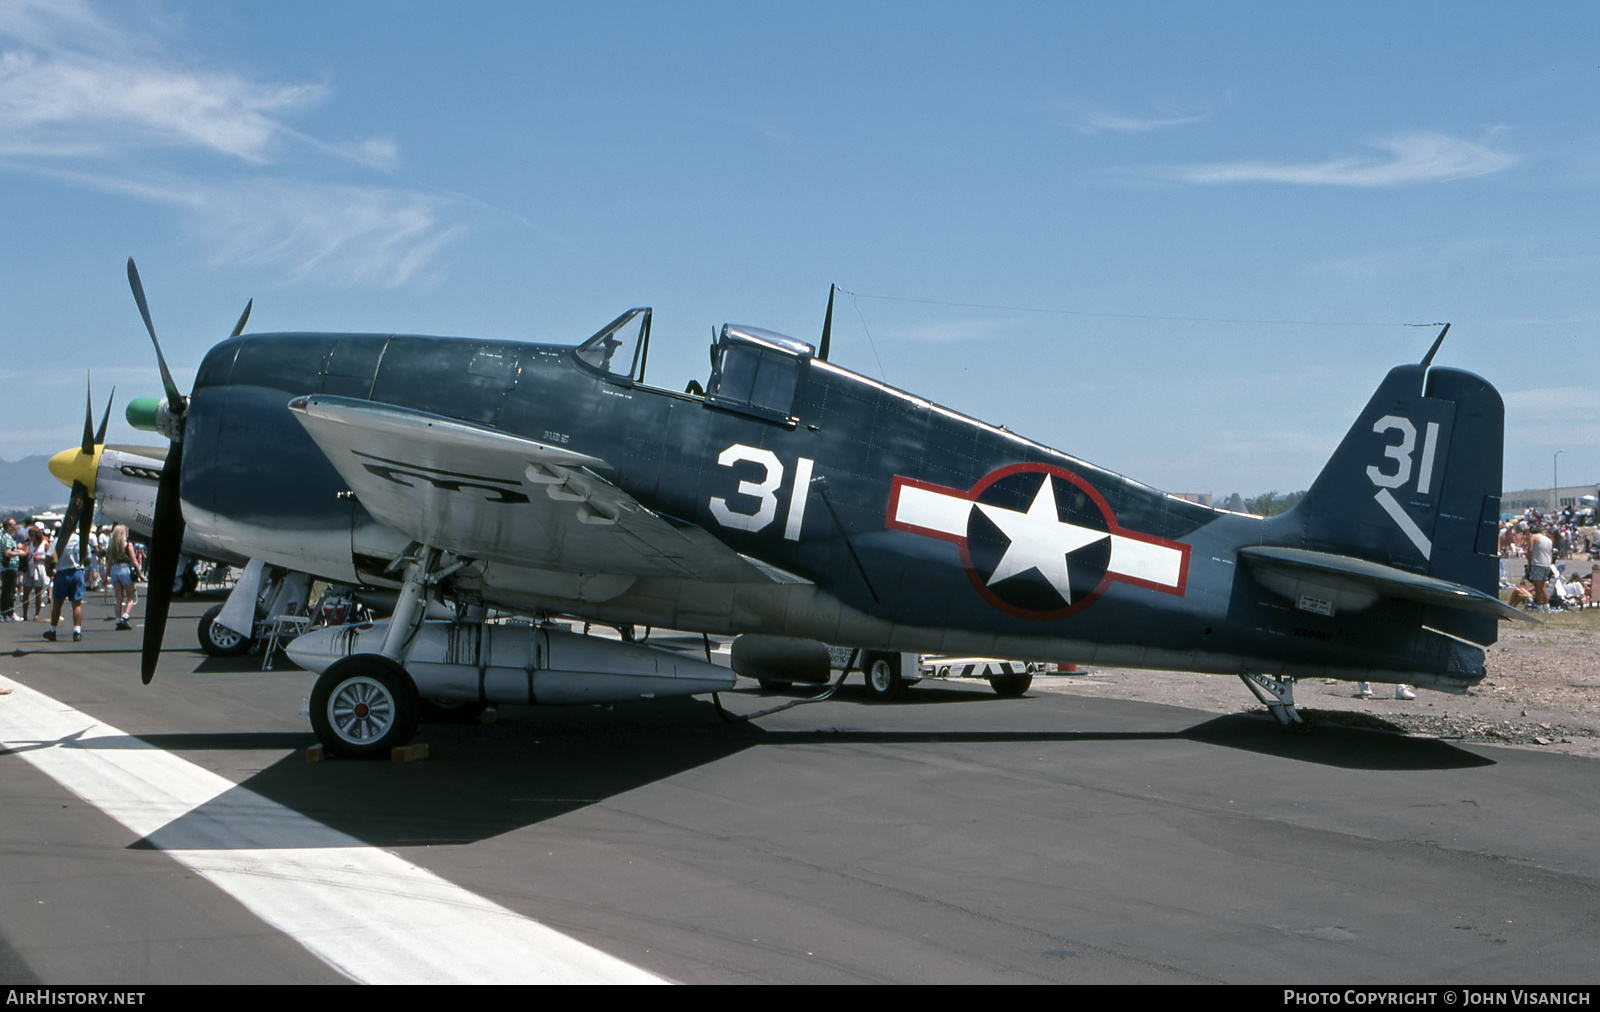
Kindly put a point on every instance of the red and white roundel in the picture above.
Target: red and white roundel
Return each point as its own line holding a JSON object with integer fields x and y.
{"x": 1036, "y": 540}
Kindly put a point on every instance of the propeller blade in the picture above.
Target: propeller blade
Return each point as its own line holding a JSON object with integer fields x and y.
{"x": 100, "y": 436}
{"x": 175, "y": 401}
{"x": 85, "y": 525}
{"x": 88, "y": 417}
{"x": 238, "y": 328}
{"x": 71, "y": 520}
{"x": 166, "y": 544}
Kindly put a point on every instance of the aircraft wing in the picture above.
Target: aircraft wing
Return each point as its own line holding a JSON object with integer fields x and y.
{"x": 486, "y": 494}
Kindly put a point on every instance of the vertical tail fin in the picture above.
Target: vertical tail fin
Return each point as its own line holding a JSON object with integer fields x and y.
{"x": 1415, "y": 485}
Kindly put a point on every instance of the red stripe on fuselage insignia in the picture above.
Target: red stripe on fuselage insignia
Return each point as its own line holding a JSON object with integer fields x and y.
{"x": 1076, "y": 558}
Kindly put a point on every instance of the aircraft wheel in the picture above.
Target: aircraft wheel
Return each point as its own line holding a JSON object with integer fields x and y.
{"x": 1010, "y": 685}
{"x": 774, "y": 685}
{"x": 363, "y": 706}
{"x": 217, "y": 640}
{"x": 438, "y": 711}
{"x": 883, "y": 677}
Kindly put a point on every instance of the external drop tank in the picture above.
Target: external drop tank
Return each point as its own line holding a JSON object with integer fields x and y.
{"x": 519, "y": 663}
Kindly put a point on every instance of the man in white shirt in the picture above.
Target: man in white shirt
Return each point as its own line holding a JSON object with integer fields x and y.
{"x": 68, "y": 584}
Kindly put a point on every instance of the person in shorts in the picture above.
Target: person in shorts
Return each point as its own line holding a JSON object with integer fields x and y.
{"x": 68, "y": 586}
{"x": 1541, "y": 563}
{"x": 35, "y": 570}
{"x": 121, "y": 560}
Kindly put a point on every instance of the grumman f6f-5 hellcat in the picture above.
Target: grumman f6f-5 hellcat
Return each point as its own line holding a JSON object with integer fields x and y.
{"x": 795, "y": 500}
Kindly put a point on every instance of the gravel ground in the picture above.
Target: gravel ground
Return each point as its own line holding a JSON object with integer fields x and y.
{"x": 1542, "y": 691}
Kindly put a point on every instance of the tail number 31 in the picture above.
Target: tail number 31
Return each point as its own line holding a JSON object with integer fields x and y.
{"x": 1385, "y": 480}
{"x": 764, "y": 491}
{"x": 1400, "y": 453}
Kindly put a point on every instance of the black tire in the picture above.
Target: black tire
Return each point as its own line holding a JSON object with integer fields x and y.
{"x": 218, "y": 641}
{"x": 363, "y": 706}
{"x": 437, "y": 711}
{"x": 1010, "y": 685}
{"x": 774, "y": 685}
{"x": 881, "y": 672}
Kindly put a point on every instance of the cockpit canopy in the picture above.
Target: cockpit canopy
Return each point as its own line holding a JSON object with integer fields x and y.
{"x": 620, "y": 347}
{"x": 756, "y": 371}
{"x": 753, "y": 371}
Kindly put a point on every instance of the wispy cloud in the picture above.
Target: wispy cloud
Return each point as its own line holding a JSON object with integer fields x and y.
{"x": 1430, "y": 256}
{"x": 351, "y": 235}
{"x": 1533, "y": 253}
{"x": 1417, "y": 157}
{"x": 80, "y": 96}
{"x": 1092, "y": 120}
{"x": 69, "y": 105}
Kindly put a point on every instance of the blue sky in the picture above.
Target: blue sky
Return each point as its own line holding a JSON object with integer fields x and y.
{"x": 1182, "y": 241}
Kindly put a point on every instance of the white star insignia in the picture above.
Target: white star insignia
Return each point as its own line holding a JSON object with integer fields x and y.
{"x": 1039, "y": 540}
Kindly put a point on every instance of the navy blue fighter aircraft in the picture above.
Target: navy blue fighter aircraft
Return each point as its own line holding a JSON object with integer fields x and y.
{"x": 798, "y": 501}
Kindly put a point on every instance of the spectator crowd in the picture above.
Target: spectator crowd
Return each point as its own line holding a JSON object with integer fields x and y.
{"x": 1540, "y": 542}
{"x": 30, "y": 576}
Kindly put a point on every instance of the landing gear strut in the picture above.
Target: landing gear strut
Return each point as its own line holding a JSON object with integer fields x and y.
{"x": 1281, "y": 701}
{"x": 366, "y": 704}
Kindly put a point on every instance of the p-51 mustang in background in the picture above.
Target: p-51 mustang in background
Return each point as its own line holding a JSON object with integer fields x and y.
{"x": 797, "y": 501}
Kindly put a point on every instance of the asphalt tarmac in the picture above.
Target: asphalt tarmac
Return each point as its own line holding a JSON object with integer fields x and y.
{"x": 954, "y": 837}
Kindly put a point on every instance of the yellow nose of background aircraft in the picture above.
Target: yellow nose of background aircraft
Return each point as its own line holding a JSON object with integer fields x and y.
{"x": 75, "y": 468}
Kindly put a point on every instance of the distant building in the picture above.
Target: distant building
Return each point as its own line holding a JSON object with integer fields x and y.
{"x": 1203, "y": 498}
{"x": 1546, "y": 499}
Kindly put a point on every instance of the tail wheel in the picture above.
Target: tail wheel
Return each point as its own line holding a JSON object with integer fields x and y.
{"x": 882, "y": 672}
{"x": 363, "y": 706}
{"x": 220, "y": 641}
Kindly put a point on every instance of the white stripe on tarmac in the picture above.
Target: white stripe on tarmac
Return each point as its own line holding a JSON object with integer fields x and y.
{"x": 365, "y": 912}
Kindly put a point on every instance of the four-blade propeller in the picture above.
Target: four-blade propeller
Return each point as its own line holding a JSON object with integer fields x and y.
{"x": 77, "y": 469}
{"x": 166, "y": 540}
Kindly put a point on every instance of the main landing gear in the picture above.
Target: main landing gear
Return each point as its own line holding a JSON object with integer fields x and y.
{"x": 379, "y": 680}
{"x": 1278, "y": 695}
{"x": 218, "y": 640}
{"x": 262, "y": 594}
{"x": 365, "y": 705}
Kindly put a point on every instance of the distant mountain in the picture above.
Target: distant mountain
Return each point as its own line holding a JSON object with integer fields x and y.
{"x": 27, "y": 483}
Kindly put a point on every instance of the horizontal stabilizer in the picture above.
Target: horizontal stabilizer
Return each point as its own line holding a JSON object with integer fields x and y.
{"x": 1341, "y": 573}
